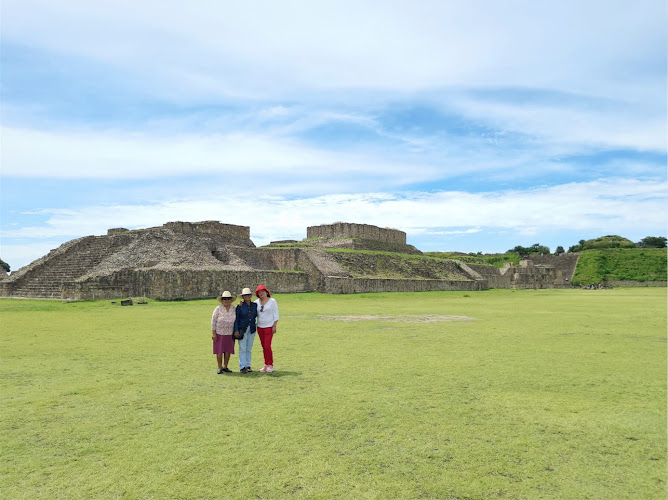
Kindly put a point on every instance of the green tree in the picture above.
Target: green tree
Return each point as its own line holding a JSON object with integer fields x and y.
{"x": 577, "y": 248}
{"x": 559, "y": 250}
{"x": 652, "y": 242}
{"x": 538, "y": 248}
{"x": 525, "y": 251}
{"x": 4, "y": 265}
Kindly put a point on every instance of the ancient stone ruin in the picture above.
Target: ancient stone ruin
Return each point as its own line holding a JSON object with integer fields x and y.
{"x": 184, "y": 260}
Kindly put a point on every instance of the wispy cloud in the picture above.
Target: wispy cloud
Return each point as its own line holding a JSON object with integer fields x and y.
{"x": 616, "y": 203}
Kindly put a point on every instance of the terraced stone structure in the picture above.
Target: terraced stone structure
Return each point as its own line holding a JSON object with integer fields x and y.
{"x": 349, "y": 230}
{"x": 359, "y": 237}
{"x": 184, "y": 260}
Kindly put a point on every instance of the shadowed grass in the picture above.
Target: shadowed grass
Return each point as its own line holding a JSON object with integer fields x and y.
{"x": 545, "y": 394}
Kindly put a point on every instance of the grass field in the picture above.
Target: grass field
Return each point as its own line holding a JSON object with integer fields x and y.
{"x": 509, "y": 394}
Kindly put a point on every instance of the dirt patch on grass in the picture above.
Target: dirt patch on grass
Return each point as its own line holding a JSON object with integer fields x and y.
{"x": 408, "y": 318}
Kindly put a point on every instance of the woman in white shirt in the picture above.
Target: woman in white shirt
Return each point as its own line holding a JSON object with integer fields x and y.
{"x": 267, "y": 319}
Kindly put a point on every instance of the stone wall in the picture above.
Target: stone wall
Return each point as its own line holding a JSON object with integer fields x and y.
{"x": 565, "y": 263}
{"x": 350, "y": 230}
{"x": 372, "y": 265}
{"x": 181, "y": 284}
{"x": 493, "y": 275}
{"x": 364, "y": 244}
{"x": 365, "y": 285}
{"x": 230, "y": 231}
{"x": 528, "y": 276}
{"x": 288, "y": 259}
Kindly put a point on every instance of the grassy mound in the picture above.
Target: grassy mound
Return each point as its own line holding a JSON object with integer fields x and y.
{"x": 620, "y": 264}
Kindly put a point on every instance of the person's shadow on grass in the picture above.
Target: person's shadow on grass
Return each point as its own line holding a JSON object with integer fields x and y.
{"x": 276, "y": 374}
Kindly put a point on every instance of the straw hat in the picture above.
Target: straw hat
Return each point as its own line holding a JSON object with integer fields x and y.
{"x": 225, "y": 295}
{"x": 246, "y": 291}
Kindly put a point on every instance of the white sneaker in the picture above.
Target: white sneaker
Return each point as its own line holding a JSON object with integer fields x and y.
{"x": 264, "y": 368}
{"x": 270, "y": 368}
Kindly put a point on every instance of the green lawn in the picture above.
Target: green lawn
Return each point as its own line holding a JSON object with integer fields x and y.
{"x": 542, "y": 394}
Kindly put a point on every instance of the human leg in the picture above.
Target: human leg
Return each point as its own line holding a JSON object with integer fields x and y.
{"x": 245, "y": 346}
{"x": 266, "y": 336}
{"x": 249, "y": 345}
{"x": 218, "y": 351}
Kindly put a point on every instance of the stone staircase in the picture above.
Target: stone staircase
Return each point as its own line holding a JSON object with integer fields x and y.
{"x": 44, "y": 277}
{"x": 325, "y": 264}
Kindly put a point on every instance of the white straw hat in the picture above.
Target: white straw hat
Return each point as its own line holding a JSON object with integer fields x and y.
{"x": 225, "y": 295}
{"x": 246, "y": 291}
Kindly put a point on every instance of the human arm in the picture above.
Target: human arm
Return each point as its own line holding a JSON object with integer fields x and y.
{"x": 275, "y": 313}
{"x": 237, "y": 313}
{"x": 214, "y": 320}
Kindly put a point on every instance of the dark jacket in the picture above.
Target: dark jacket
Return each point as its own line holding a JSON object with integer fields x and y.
{"x": 245, "y": 314}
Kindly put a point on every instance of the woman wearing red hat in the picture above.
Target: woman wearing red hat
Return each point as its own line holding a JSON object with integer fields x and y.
{"x": 267, "y": 318}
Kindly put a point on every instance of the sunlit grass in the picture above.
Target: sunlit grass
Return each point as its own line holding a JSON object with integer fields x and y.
{"x": 545, "y": 394}
{"x": 614, "y": 264}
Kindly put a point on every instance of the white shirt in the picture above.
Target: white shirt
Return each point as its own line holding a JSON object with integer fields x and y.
{"x": 267, "y": 314}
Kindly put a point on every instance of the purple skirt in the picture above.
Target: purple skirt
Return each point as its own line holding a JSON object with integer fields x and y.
{"x": 223, "y": 343}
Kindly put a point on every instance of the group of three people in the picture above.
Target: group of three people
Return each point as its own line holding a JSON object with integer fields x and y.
{"x": 229, "y": 322}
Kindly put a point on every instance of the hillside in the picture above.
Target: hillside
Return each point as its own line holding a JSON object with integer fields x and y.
{"x": 621, "y": 264}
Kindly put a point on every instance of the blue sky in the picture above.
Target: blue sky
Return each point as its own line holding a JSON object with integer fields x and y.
{"x": 472, "y": 126}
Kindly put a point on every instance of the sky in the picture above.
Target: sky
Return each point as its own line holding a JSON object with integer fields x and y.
{"x": 472, "y": 126}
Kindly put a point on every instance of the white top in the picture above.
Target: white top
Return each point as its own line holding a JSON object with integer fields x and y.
{"x": 267, "y": 314}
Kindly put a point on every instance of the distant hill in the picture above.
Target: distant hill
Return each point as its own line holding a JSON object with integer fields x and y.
{"x": 610, "y": 241}
{"x": 621, "y": 264}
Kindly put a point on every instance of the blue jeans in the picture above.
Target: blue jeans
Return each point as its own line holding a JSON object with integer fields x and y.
{"x": 245, "y": 348}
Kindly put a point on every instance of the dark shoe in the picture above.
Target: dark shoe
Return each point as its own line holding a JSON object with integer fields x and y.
{"x": 244, "y": 370}
{"x": 248, "y": 368}
{"x": 219, "y": 371}
{"x": 227, "y": 370}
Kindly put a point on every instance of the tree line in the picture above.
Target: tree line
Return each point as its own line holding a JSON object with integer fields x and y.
{"x": 610, "y": 241}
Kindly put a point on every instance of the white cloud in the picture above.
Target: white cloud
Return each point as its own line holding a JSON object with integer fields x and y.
{"x": 621, "y": 126}
{"x": 607, "y": 206}
{"x": 273, "y": 48}
{"x": 118, "y": 154}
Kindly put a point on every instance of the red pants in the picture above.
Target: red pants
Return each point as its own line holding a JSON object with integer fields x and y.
{"x": 265, "y": 339}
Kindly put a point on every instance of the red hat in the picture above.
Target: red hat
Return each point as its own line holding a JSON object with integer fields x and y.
{"x": 262, "y": 287}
